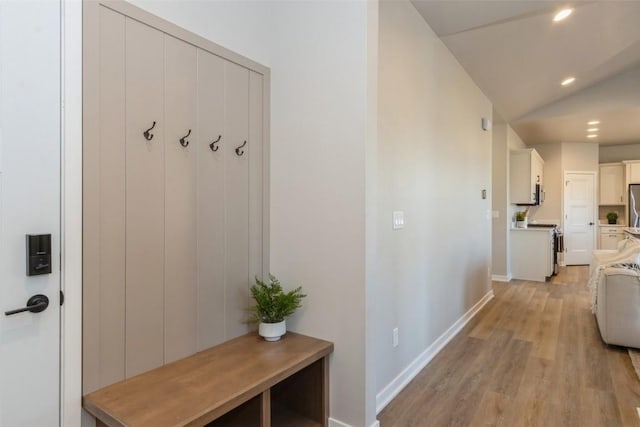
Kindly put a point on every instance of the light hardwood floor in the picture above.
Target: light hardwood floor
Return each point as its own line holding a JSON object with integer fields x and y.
{"x": 532, "y": 357}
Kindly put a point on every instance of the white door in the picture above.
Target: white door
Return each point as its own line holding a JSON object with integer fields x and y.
{"x": 579, "y": 217}
{"x": 29, "y": 204}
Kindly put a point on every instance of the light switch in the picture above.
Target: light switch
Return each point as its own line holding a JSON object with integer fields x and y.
{"x": 398, "y": 220}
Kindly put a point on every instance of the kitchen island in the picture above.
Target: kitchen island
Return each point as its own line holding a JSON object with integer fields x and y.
{"x": 532, "y": 253}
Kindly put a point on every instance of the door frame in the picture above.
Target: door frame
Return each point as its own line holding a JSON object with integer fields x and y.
{"x": 595, "y": 205}
{"x": 71, "y": 214}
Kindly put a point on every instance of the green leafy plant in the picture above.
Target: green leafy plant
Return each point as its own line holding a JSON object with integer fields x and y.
{"x": 612, "y": 216}
{"x": 273, "y": 304}
{"x": 521, "y": 216}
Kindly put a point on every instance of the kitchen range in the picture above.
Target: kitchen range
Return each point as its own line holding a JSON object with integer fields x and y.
{"x": 534, "y": 251}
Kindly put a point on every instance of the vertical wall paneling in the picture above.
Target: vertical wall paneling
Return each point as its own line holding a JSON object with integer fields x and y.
{"x": 236, "y": 199}
{"x": 144, "y": 198}
{"x": 112, "y": 198}
{"x": 180, "y": 199}
{"x": 210, "y": 199}
{"x": 256, "y": 126}
{"x": 173, "y": 234}
{"x": 104, "y": 219}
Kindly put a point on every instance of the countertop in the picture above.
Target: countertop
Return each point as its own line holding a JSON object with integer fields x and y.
{"x": 632, "y": 230}
{"x": 540, "y": 229}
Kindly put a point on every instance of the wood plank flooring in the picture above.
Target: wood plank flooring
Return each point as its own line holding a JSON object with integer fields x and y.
{"x": 532, "y": 357}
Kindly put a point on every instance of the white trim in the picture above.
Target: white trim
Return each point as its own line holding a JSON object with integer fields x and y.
{"x": 595, "y": 208}
{"x": 500, "y": 278}
{"x": 71, "y": 215}
{"x": 335, "y": 423}
{"x": 392, "y": 389}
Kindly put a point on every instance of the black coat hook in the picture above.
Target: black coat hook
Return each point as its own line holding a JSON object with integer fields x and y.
{"x": 213, "y": 145}
{"x": 240, "y": 152}
{"x": 147, "y": 133}
{"x": 183, "y": 140}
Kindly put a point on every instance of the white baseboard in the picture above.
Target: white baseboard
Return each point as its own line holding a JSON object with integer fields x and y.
{"x": 392, "y": 389}
{"x": 500, "y": 278}
{"x": 335, "y": 423}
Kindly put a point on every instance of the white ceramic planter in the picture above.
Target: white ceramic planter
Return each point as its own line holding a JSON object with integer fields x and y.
{"x": 272, "y": 331}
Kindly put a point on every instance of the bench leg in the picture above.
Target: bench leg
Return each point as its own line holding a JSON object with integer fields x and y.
{"x": 265, "y": 409}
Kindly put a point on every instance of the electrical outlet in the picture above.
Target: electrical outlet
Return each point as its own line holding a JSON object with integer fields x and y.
{"x": 396, "y": 339}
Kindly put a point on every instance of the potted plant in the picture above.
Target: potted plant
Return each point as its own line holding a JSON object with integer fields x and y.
{"x": 521, "y": 219}
{"x": 273, "y": 306}
{"x": 612, "y": 217}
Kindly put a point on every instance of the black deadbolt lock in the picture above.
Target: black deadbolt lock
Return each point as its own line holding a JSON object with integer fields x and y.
{"x": 38, "y": 254}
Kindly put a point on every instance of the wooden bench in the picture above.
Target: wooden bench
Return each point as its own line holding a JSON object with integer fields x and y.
{"x": 243, "y": 382}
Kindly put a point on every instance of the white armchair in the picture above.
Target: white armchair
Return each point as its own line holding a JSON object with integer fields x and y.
{"x": 617, "y": 294}
{"x": 618, "y": 307}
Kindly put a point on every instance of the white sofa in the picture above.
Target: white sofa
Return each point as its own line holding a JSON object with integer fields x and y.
{"x": 617, "y": 295}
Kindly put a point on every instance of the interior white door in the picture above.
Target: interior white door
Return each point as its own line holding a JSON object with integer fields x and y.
{"x": 29, "y": 204}
{"x": 579, "y": 217}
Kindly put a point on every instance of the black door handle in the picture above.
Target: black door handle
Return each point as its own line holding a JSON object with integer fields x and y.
{"x": 35, "y": 304}
{"x": 590, "y": 223}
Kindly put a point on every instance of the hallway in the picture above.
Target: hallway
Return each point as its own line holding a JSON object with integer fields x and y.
{"x": 533, "y": 356}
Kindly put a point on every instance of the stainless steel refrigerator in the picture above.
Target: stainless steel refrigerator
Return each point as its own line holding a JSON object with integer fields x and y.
{"x": 634, "y": 205}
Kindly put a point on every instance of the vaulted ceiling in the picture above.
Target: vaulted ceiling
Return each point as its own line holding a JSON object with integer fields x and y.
{"x": 518, "y": 56}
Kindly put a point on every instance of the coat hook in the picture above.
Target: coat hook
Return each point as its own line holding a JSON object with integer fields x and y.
{"x": 147, "y": 134}
{"x": 213, "y": 145}
{"x": 240, "y": 152}
{"x": 183, "y": 140}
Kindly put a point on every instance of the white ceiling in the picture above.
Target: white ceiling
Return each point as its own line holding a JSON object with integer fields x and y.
{"x": 518, "y": 56}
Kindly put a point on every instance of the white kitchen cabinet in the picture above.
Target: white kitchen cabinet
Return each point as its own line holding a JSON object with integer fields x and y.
{"x": 531, "y": 253}
{"x": 526, "y": 169}
{"x": 610, "y": 236}
{"x": 632, "y": 171}
{"x": 612, "y": 188}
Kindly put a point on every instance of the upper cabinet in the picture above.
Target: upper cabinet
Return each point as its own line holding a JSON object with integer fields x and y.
{"x": 526, "y": 170}
{"x": 633, "y": 171}
{"x": 612, "y": 188}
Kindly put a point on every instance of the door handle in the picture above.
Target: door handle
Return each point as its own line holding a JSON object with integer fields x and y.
{"x": 590, "y": 223}
{"x": 35, "y": 304}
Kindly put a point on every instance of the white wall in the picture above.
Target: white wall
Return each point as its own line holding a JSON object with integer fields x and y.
{"x": 500, "y": 197}
{"x": 514, "y": 141}
{"x": 433, "y": 161}
{"x": 317, "y": 52}
{"x": 617, "y": 153}
{"x": 580, "y": 156}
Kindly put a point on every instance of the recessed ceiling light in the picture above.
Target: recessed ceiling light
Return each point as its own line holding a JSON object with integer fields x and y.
{"x": 593, "y": 122}
{"x": 592, "y": 130}
{"x": 562, "y": 15}
{"x": 568, "y": 81}
{"x": 593, "y": 135}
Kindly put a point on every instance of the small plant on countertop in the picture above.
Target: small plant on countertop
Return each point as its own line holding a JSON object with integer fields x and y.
{"x": 521, "y": 216}
{"x": 273, "y": 304}
{"x": 612, "y": 217}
